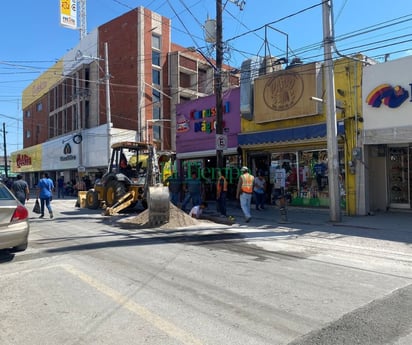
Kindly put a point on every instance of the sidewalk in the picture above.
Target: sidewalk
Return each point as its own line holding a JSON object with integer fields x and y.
{"x": 391, "y": 220}
{"x": 396, "y": 220}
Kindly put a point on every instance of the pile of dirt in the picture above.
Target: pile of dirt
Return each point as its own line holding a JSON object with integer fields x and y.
{"x": 177, "y": 219}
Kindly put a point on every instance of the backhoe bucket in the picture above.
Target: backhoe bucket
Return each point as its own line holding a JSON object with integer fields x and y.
{"x": 159, "y": 205}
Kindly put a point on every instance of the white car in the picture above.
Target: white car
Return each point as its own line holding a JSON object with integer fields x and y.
{"x": 14, "y": 222}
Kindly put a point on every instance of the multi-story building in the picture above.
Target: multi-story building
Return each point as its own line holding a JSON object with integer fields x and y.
{"x": 121, "y": 82}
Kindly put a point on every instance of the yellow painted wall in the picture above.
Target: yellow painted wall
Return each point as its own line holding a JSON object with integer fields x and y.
{"x": 27, "y": 160}
{"x": 43, "y": 84}
{"x": 348, "y": 78}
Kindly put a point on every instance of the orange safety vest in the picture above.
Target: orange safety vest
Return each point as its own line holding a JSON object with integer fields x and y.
{"x": 247, "y": 183}
{"x": 219, "y": 185}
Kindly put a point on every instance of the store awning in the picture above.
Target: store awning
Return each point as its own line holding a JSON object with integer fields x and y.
{"x": 287, "y": 135}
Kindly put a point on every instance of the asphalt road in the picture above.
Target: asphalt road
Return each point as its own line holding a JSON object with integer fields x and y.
{"x": 87, "y": 279}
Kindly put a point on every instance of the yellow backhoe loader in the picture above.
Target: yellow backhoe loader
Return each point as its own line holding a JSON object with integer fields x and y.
{"x": 136, "y": 173}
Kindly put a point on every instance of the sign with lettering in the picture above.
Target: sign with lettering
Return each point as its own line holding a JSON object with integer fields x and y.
{"x": 221, "y": 142}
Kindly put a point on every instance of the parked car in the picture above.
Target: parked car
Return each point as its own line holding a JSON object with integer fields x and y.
{"x": 14, "y": 222}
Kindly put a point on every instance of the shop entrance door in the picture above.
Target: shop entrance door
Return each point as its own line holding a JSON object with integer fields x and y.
{"x": 399, "y": 167}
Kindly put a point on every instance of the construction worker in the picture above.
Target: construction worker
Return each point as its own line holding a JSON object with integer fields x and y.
{"x": 221, "y": 193}
{"x": 244, "y": 192}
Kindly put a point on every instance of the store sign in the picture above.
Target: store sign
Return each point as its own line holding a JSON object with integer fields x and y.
{"x": 286, "y": 94}
{"x": 68, "y": 14}
{"x": 391, "y": 96}
{"x": 67, "y": 150}
{"x": 205, "y": 120}
{"x": 23, "y": 160}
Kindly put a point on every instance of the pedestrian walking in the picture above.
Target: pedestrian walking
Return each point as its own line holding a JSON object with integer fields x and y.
{"x": 20, "y": 189}
{"x": 45, "y": 193}
{"x": 221, "y": 193}
{"x": 193, "y": 189}
{"x": 244, "y": 192}
{"x": 259, "y": 188}
{"x": 60, "y": 187}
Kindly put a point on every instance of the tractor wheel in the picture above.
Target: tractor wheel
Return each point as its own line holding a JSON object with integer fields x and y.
{"x": 114, "y": 191}
{"x": 92, "y": 200}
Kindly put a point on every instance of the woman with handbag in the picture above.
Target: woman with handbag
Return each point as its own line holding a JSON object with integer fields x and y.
{"x": 45, "y": 193}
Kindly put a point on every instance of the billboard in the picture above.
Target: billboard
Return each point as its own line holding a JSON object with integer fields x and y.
{"x": 287, "y": 94}
{"x": 68, "y": 14}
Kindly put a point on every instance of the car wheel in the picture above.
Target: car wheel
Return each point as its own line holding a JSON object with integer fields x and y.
{"x": 114, "y": 191}
{"x": 92, "y": 200}
{"x": 20, "y": 248}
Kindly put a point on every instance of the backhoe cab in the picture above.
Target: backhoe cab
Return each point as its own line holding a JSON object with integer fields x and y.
{"x": 136, "y": 173}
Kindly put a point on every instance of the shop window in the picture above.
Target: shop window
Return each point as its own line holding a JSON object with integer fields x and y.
{"x": 398, "y": 175}
{"x": 303, "y": 177}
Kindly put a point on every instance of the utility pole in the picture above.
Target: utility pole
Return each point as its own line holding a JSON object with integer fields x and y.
{"x": 108, "y": 109}
{"x": 5, "y": 151}
{"x": 331, "y": 126}
{"x": 218, "y": 80}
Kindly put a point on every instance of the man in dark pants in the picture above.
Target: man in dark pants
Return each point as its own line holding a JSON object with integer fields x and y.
{"x": 20, "y": 189}
{"x": 221, "y": 193}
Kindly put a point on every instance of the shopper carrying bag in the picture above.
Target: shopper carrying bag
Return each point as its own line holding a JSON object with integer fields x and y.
{"x": 36, "y": 208}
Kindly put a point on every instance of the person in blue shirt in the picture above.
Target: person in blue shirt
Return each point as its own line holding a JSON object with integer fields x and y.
{"x": 45, "y": 193}
{"x": 60, "y": 187}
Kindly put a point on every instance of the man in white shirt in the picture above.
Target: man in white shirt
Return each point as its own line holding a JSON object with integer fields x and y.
{"x": 197, "y": 210}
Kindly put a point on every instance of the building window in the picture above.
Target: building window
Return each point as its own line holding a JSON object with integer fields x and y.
{"x": 155, "y": 58}
{"x": 156, "y": 42}
{"x": 39, "y": 106}
{"x": 156, "y": 77}
{"x": 28, "y": 134}
{"x": 27, "y": 113}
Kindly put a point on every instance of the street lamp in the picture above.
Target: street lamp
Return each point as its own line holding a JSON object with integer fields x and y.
{"x": 153, "y": 121}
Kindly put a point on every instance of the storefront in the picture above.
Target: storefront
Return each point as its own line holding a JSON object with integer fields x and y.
{"x": 285, "y": 136}
{"x": 72, "y": 156}
{"x": 303, "y": 165}
{"x": 387, "y": 136}
{"x": 196, "y": 140}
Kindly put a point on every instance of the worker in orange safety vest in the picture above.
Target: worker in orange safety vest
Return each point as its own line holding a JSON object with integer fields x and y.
{"x": 244, "y": 192}
{"x": 221, "y": 193}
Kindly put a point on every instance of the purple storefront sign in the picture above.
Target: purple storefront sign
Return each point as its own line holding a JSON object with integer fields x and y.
{"x": 196, "y": 122}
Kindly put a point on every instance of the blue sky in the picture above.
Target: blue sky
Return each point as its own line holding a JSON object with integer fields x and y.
{"x": 32, "y": 39}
